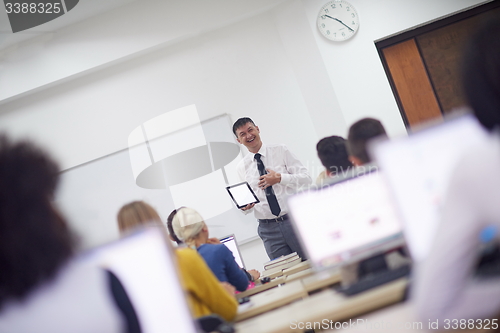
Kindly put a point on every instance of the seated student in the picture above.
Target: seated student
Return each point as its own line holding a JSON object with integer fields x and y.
{"x": 332, "y": 152}
{"x": 190, "y": 228}
{"x": 42, "y": 288}
{"x": 251, "y": 274}
{"x": 360, "y": 133}
{"x": 445, "y": 287}
{"x": 205, "y": 294}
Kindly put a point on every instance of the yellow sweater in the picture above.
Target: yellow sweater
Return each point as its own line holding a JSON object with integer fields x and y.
{"x": 205, "y": 294}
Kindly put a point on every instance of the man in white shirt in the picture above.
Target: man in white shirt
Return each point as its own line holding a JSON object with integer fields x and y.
{"x": 273, "y": 172}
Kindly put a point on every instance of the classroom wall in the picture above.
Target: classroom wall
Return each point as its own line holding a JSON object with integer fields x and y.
{"x": 80, "y": 91}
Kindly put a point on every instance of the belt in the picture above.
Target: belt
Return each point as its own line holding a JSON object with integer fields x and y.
{"x": 278, "y": 219}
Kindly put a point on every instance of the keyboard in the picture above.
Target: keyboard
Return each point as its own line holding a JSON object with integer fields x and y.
{"x": 374, "y": 280}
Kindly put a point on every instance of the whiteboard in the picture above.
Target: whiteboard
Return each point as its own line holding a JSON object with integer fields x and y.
{"x": 91, "y": 194}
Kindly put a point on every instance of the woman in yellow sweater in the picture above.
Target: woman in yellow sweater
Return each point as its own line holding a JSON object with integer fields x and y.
{"x": 206, "y": 295}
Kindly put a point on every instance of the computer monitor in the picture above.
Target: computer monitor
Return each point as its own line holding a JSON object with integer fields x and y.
{"x": 418, "y": 168}
{"x": 230, "y": 242}
{"x": 145, "y": 266}
{"x": 347, "y": 221}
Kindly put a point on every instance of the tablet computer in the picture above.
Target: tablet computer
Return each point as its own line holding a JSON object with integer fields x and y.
{"x": 242, "y": 194}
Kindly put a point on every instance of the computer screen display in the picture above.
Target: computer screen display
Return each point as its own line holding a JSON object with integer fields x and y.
{"x": 347, "y": 221}
{"x": 230, "y": 242}
{"x": 418, "y": 168}
{"x": 145, "y": 266}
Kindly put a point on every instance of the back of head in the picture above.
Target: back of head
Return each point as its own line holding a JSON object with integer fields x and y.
{"x": 34, "y": 239}
{"x": 360, "y": 133}
{"x": 332, "y": 152}
{"x": 481, "y": 74}
{"x": 187, "y": 224}
{"x": 136, "y": 214}
{"x": 170, "y": 227}
{"x": 240, "y": 122}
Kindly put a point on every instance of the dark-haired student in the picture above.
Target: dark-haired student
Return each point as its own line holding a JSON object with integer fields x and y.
{"x": 332, "y": 152}
{"x": 360, "y": 133}
{"x": 273, "y": 172}
{"x": 446, "y": 287}
{"x": 42, "y": 288}
{"x": 206, "y": 295}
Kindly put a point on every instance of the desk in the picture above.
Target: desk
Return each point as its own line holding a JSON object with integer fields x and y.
{"x": 299, "y": 275}
{"x": 297, "y": 268}
{"x": 277, "y": 271}
{"x": 321, "y": 280}
{"x": 272, "y": 271}
{"x": 262, "y": 287}
{"x": 398, "y": 318}
{"x": 325, "y": 305}
{"x": 272, "y": 299}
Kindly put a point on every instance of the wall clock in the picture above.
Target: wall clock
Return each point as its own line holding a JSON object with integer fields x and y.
{"x": 338, "y": 20}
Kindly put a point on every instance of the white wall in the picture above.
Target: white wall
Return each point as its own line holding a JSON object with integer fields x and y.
{"x": 81, "y": 90}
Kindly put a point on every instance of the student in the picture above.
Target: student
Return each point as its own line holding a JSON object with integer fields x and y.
{"x": 332, "y": 152}
{"x": 205, "y": 294}
{"x": 252, "y": 274}
{"x": 190, "y": 228}
{"x": 445, "y": 287}
{"x": 273, "y": 172}
{"x": 42, "y": 288}
{"x": 360, "y": 133}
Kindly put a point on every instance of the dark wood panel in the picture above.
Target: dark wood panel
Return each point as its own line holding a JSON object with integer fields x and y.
{"x": 441, "y": 50}
{"x": 413, "y": 86}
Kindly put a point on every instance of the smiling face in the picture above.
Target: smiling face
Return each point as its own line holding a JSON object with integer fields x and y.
{"x": 249, "y": 136}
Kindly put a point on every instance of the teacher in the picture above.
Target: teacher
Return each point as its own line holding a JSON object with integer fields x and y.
{"x": 273, "y": 172}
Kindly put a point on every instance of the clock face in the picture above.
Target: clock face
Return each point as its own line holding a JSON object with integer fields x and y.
{"x": 338, "y": 20}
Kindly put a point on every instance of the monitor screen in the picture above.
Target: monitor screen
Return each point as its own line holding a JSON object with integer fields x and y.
{"x": 347, "y": 221}
{"x": 145, "y": 266}
{"x": 418, "y": 168}
{"x": 230, "y": 242}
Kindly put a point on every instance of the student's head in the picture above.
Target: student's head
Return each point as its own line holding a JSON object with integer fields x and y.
{"x": 136, "y": 214}
{"x": 170, "y": 227}
{"x": 481, "y": 74}
{"x": 34, "y": 239}
{"x": 189, "y": 226}
{"x": 360, "y": 133}
{"x": 247, "y": 134}
{"x": 332, "y": 152}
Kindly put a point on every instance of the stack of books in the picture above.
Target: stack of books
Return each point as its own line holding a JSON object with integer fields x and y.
{"x": 271, "y": 268}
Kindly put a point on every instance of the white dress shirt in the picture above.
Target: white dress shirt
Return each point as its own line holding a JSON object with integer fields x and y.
{"x": 278, "y": 158}
{"x": 445, "y": 287}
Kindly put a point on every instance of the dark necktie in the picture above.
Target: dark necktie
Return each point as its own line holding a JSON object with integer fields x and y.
{"x": 271, "y": 197}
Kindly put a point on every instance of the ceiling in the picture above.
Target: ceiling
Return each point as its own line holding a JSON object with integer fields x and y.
{"x": 86, "y": 9}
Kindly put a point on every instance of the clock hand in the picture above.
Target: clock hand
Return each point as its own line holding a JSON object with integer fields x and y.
{"x": 333, "y": 18}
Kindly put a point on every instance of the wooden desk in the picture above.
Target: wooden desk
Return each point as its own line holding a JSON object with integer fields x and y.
{"x": 297, "y": 268}
{"x": 272, "y": 271}
{"x": 326, "y": 305}
{"x": 262, "y": 287}
{"x": 272, "y": 299}
{"x": 299, "y": 275}
{"x": 398, "y": 318}
{"x": 277, "y": 271}
{"x": 321, "y": 280}
{"x": 272, "y": 274}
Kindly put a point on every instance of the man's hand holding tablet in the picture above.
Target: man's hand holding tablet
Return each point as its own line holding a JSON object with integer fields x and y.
{"x": 249, "y": 206}
{"x": 242, "y": 195}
